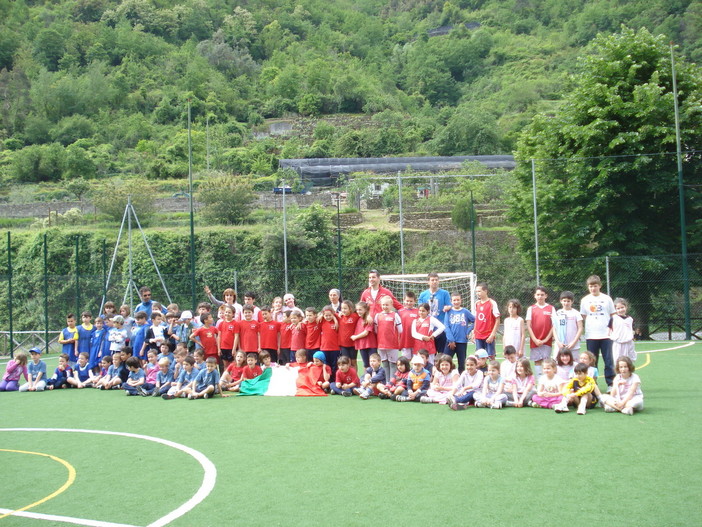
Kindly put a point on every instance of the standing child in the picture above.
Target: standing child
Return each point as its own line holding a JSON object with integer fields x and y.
{"x": 346, "y": 378}
{"x": 207, "y": 337}
{"x": 417, "y": 381}
{"x": 388, "y": 330}
{"x": 329, "y": 339}
{"x": 313, "y": 333}
{"x": 463, "y": 393}
{"x": 139, "y": 330}
{"x": 285, "y": 337}
{"x": 487, "y": 320}
{"x": 37, "y": 373}
{"x": 297, "y": 335}
{"x": 364, "y": 338}
{"x": 425, "y": 329}
{"x": 68, "y": 338}
{"x": 521, "y": 385}
{"x": 622, "y": 332}
{"x": 491, "y": 396}
{"x": 579, "y": 391}
{"x": 97, "y": 343}
{"x": 443, "y": 382}
{"x": 269, "y": 330}
{"x": 61, "y": 374}
{"x": 626, "y": 395}
{"x": 109, "y": 310}
{"x": 567, "y": 326}
{"x": 85, "y": 334}
{"x": 249, "y": 335}
{"x": 548, "y": 391}
{"x": 347, "y": 327}
{"x": 538, "y": 319}
{"x": 374, "y": 376}
{"x": 565, "y": 365}
{"x": 514, "y": 327}
{"x": 597, "y": 309}
{"x": 408, "y": 314}
{"x": 117, "y": 335}
{"x": 13, "y": 371}
{"x": 126, "y": 312}
{"x": 228, "y": 329}
{"x": 459, "y": 325}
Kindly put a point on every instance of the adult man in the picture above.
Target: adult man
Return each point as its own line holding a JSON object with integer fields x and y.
{"x": 375, "y": 292}
{"x": 439, "y": 301}
{"x": 146, "y": 304}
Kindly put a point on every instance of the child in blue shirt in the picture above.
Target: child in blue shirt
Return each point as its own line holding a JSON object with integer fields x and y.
{"x": 68, "y": 338}
{"x": 97, "y": 344}
{"x": 61, "y": 374}
{"x": 164, "y": 379}
{"x": 207, "y": 380}
{"x": 136, "y": 377}
{"x": 375, "y": 374}
{"x": 186, "y": 376}
{"x": 37, "y": 373}
{"x": 417, "y": 382}
{"x": 459, "y": 323}
{"x": 139, "y": 335}
{"x": 81, "y": 377}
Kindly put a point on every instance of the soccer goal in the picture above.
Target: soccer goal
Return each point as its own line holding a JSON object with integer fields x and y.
{"x": 463, "y": 283}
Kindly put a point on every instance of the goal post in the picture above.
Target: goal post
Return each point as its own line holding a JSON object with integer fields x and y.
{"x": 463, "y": 283}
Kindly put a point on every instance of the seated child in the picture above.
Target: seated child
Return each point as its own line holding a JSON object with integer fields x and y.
{"x": 205, "y": 384}
{"x": 102, "y": 378}
{"x": 37, "y": 373}
{"x": 509, "y": 365}
{"x": 443, "y": 381}
{"x": 548, "y": 391}
{"x": 579, "y": 391}
{"x": 231, "y": 379}
{"x": 417, "y": 381}
{"x": 469, "y": 382}
{"x": 164, "y": 378}
{"x": 14, "y": 370}
{"x": 81, "y": 377}
{"x": 319, "y": 361}
{"x": 346, "y": 378}
{"x": 182, "y": 387}
{"x": 482, "y": 357}
{"x": 564, "y": 361}
{"x": 118, "y": 373}
{"x": 626, "y": 395}
{"x": 151, "y": 372}
{"x": 252, "y": 369}
{"x": 61, "y": 374}
{"x": 266, "y": 360}
{"x": 520, "y": 387}
{"x": 492, "y": 396}
{"x": 398, "y": 383}
{"x": 135, "y": 378}
{"x": 375, "y": 375}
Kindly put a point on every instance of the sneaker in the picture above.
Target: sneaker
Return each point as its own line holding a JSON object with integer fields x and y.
{"x": 383, "y": 396}
{"x": 561, "y": 408}
{"x": 155, "y": 394}
{"x": 509, "y": 404}
{"x": 141, "y": 391}
{"x": 364, "y": 395}
{"x": 167, "y": 397}
{"x": 610, "y": 410}
{"x": 496, "y": 406}
{"x": 628, "y": 411}
{"x": 206, "y": 396}
{"x": 450, "y": 400}
{"x": 478, "y": 405}
{"x": 346, "y": 393}
{"x": 458, "y": 406}
{"x": 534, "y": 405}
{"x": 126, "y": 392}
{"x": 426, "y": 399}
{"x": 581, "y": 412}
{"x": 401, "y": 399}
{"x": 393, "y": 397}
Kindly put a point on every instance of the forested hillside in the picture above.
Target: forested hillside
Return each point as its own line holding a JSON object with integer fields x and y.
{"x": 97, "y": 88}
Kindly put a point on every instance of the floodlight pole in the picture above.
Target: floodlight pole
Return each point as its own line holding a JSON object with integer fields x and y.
{"x": 285, "y": 240}
{"x": 402, "y": 233}
{"x": 681, "y": 197}
{"x": 472, "y": 229}
{"x": 192, "y": 213}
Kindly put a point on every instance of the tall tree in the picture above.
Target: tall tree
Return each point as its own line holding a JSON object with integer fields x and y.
{"x": 603, "y": 188}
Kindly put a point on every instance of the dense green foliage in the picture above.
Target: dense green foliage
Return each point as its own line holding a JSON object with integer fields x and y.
{"x": 97, "y": 87}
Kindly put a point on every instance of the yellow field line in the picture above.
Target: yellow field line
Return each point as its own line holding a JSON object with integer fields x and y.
{"x": 648, "y": 361}
{"x": 68, "y": 483}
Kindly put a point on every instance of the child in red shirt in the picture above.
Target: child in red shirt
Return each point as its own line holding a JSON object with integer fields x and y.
{"x": 252, "y": 369}
{"x": 347, "y": 327}
{"x": 346, "y": 378}
{"x": 408, "y": 315}
{"x": 313, "y": 336}
{"x": 269, "y": 331}
{"x": 249, "y": 337}
{"x": 231, "y": 379}
{"x": 329, "y": 341}
{"x": 285, "y": 337}
{"x": 208, "y": 337}
{"x": 298, "y": 335}
{"x": 228, "y": 330}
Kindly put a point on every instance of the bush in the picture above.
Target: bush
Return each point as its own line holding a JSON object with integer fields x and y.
{"x": 111, "y": 199}
{"x": 227, "y": 199}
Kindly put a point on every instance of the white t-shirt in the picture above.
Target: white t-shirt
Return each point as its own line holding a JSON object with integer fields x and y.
{"x": 622, "y": 329}
{"x": 624, "y": 385}
{"x": 596, "y": 312}
{"x": 513, "y": 334}
{"x": 565, "y": 324}
{"x": 551, "y": 386}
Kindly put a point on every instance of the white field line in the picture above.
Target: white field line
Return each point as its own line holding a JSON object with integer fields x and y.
{"x": 208, "y": 480}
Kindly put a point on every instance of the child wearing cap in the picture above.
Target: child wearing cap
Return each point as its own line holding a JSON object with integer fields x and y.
{"x": 417, "y": 381}
{"x": 482, "y": 356}
{"x": 37, "y": 373}
{"x": 184, "y": 327}
{"x": 319, "y": 362}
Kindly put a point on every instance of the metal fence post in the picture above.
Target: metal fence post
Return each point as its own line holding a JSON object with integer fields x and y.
{"x": 77, "y": 281}
{"x": 607, "y": 271}
{"x": 9, "y": 292}
{"x": 46, "y": 294}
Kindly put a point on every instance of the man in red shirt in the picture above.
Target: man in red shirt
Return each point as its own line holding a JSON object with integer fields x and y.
{"x": 375, "y": 292}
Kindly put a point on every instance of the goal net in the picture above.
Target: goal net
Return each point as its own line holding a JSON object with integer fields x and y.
{"x": 462, "y": 283}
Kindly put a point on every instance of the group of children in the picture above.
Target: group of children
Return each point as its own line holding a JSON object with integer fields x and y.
{"x": 174, "y": 354}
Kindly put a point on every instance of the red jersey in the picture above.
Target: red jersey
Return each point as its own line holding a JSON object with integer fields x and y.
{"x": 313, "y": 338}
{"x": 368, "y": 341}
{"x": 208, "y": 340}
{"x": 541, "y": 322}
{"x": 374, "y": 304}
{"x": 269, "y": 335}
{"x": 407, "y": 316}
{"x": 285, "y": 336}
{"x": 348, "y": 377}
{"x": 227, "y": 331}
{"x": 249, "y": 372}
{"x": 298, "y": 336}
{"x": 423, "y": 327}
{"x": 486, "y": 314}
{"x": 347, "y": 327}
{"x": 248, "y": 336}
{"x": 235, "y": 371}
{"x": 330, "y": 335}
{"x": 388, "y": 328}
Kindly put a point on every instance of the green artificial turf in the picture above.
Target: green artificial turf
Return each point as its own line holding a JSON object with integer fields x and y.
{"x": 345, "y": 461}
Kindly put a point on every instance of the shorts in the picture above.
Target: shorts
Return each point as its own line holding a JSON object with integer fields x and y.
{"x": 483, "y": 344}
{"x": 540, "y": 353}
{"x": 388, "y": 355}
{"x": 227, "y": 355}
{"x": 348, "y": 351}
